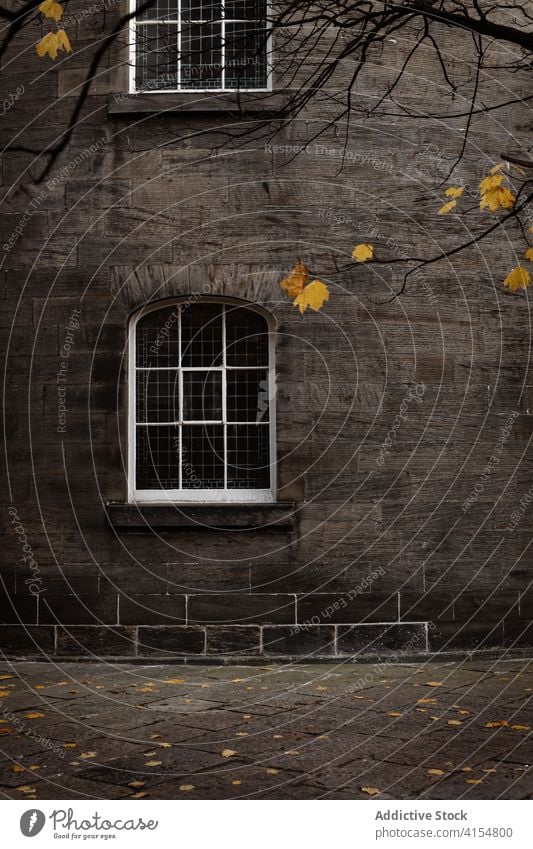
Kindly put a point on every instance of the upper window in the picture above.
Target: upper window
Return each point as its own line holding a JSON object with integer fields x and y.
{"x": 201, "y": 403}
{"x": 188, "y": 45}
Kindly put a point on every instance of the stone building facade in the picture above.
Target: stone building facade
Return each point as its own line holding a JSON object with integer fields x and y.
{"x": 401, "y": 520}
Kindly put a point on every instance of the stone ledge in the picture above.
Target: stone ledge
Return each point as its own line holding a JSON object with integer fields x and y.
{"x": 261, "y": 103}
{"x": 208, "y": 517}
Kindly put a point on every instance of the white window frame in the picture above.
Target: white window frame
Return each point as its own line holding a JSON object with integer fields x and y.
{"x": 210, "y": 90}
{"x": 195, "y": 496}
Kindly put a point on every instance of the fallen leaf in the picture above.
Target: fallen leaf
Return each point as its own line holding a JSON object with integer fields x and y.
{"x": 6, "y": 730}
{"x": 147, "y": 689}
{"x": 242, "y": 734}
{"x": 186, "y": 787}
{"x": 69, "y": 745}
{"x": 466, "y": 769}
{"x": 228, "y": 753}
{"x": 499, "y": 723}
{"x": 51, "y": 9}
{"x": 371, "y": 791}
{"x": 362, "y": 253}
{"x": 521, "y": 727}
{"x": 138, "y": 795}
{"x": 17, "y": 768}
{"x": 277, "y": 736}
{"x": 426, "y": 701}
{"x": 34, "y": 767}
{"x": 165, "y": 745}
{"x": 87, "y": 755}
{"x": 148, "y": 754}
{"x": 153, "y": 763}
{"x": 236, "y": 782}
{"x": 321, "y": 689}
{"x": 474, "y": 781}
{"x": 433, "y": 683}
{"x": 394, "y": 713}
{"x": 529, "y": 254}
{"x": 5, "y": 677}
{"x": 4, "y": 693}
{"x": 26, "y": 788}
{"x": 455, "y": 722}
{"x": 489, "y": 770}
{"x": 291, "y": 752}
{"x": 247, "y": 716}
{"x": 136, "y": 783}
{"x": 174, "y": 681}
{"x": 34, "y": 715}
{"x": 272, "y": 771}
{"x": 435, "y": 771}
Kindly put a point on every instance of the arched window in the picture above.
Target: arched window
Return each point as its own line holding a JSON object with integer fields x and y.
{"x": 201, "y": 402}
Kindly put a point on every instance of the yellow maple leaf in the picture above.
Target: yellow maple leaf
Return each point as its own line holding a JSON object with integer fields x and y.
{"x": 293, "y": 285}
{"x": 228, "y": 753}
{"x": 371, "y": 791}
{"x": 454, "y": 191}
{"x": 529, "y": 254}
{"x": 447, "y": 207}
{"x": 518, "y": 278}
{"x": 52, "y": 42}
{"x": 362, "y": 253}
{"x": 51, "y": 9}
{"x": 314, "y": 295}
{"x": 498, "y": 197}
{"x": 490, "y": 182}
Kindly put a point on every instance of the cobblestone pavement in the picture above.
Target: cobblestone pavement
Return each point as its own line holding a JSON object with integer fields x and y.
{"x": 351, "y": 731}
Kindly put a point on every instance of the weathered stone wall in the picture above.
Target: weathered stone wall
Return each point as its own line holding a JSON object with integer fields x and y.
{"x": 407, "y": 547}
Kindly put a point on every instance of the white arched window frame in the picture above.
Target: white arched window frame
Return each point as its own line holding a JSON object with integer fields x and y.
{"x": 228, "y": 492}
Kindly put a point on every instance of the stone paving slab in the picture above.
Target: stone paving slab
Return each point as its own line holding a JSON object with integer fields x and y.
{"x": 317, "y": 731}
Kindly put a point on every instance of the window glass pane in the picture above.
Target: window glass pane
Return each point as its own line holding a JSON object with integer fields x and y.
{"x": 246, "y": 338}
{"x": 248, "y": 457}
{"x": 201, "y": 56}
{"x": 157, "y": 56}
{"x": 246, "y": 52}
{"x": 203, "y": 457}
{"x": 157, "y": 457}
{"x": 247, "y": 395}
{"x": 202, "y": 395}
{"x": 201, "y": 338}
{"x": 201, "y": 10}
{"x": 248, "y": 10}
{"x": 158, "y": 10}
{"x": 157, "y": 397}
{"x": 158, "y": 339}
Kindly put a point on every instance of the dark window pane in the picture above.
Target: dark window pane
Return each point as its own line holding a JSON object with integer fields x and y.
{"x": 203, "y": 457}
{"x": 247, "y": 395}
{"x": 248, "y": 457}
{"x": 158, "y": 339}
{"x": 201, "y": 338}
{"x": 157, "y": 396}
{"x": 201, "y": 10}
{"x": 157, "y": 56}
{"x": 202, "y": 395}
{"x": 157, "y": 457}
{"x": 248, "y": 10}
{"x": 246, "y": 55}
{"x": 246, "y": 338}
{"x": 158, "y": 10}
{"x": 201, "y": 56}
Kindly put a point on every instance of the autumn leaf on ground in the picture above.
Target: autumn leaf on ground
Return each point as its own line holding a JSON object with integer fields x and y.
{"x": 6, "y": 730}
{"x": 4, "y": 693}
{"x": 69, "y": 745}
{"x": 454, "y": 191}
{"x": 228, "y": 753}
{"x": 314, "y": 295}
{"x": 455, "y": 722}
{"x": 186, "y": 787}
{"x": 321, "y": 688}
{"x": 51, "y": 9}
{"x": 521, "y": 727}
{"x": 87, "y": 755}
{"x": 435, "y": 772}
{"x": 474, "y": 781}
{"x": 496, "y": 198}
{"x": 499, "y": 723}
{"x": 236, "y": 781}
{"x": 138, "y": 795}
{"x": 291, "y": 752}
{"x": 433, "y": 683}
{"x": 371, "y": 791}
{"x": 272, "y": 771}
{"x": 490, "y": 183}
{"x": 362, "y": 253}
{"x": 426, "y": 701}
{"x": 447, "y": 207}
{"x": 174, "y": 681}
{"x": 153, "y": 763}
{"x": 165, "y": 745}
{"x": 35, "y": 715}
{"x": 136, "y": 783}
{"x": 394, "y": 713}
{"x": 5, "y": 677}
{"x": 17, "y": 768}
{"x": 529, "y": 254}
{"x": 496, "y": 168}
{"x": 518, "y": 278}
{"x": 296, "y": 280}
{"x": 26, "y": 788}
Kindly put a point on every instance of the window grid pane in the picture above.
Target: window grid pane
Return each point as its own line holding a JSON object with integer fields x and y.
{"x": 185, "y": 45}
{"x": 172, "y": 453}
